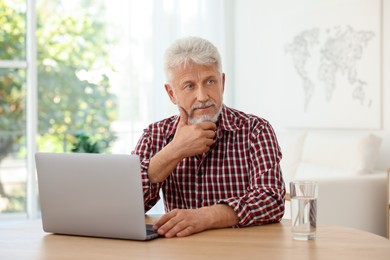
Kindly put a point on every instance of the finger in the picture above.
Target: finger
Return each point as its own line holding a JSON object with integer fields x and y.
{"x": 209, "y": 143}
{"x": 208, "y": 125}
{"x": 209, "y": 134}
{"x": 163, "y": 219}
{"x": 183, "y": 116}
{"x": 189, "y": 230}
{"x": 175, "y": 228}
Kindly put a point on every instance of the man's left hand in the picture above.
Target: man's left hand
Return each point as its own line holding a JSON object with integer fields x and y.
{"x": 185, "y": 222}
{"x": 181, "y": 223}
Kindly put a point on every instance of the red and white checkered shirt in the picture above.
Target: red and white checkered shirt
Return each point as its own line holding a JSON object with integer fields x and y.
{"x": 241, "y": 169}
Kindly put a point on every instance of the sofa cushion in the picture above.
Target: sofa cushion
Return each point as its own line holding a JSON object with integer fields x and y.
{"x": 311, "y": 171}
{"x": 344, "y": 153}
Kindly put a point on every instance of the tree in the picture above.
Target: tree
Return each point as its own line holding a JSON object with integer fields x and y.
{"x": 73, "y": 83}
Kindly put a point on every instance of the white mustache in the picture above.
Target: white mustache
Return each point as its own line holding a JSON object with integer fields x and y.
{"x": 201, "y": 105}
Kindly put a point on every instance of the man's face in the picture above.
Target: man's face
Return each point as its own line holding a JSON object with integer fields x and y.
{"x": 198, "y": 89}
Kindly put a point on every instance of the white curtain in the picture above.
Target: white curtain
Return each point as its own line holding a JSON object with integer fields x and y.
{"x": 144, "y": 29}
{"x": 150, "y": 27}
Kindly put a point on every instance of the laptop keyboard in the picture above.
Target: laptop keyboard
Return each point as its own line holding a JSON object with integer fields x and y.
{"x": 150, "y": 230}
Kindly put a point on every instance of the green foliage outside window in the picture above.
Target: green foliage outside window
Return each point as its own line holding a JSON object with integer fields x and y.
{"x": 84, "y": 144}
{"x": 73, "y": 83}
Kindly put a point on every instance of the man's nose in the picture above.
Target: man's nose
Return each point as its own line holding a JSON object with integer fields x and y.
{"x": 202, "y": 94}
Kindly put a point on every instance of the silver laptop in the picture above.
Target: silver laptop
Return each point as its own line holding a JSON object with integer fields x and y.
{"x": 97, "y": 195}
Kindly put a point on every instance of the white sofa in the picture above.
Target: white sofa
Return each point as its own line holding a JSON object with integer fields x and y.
{"x": 350, "y": 191}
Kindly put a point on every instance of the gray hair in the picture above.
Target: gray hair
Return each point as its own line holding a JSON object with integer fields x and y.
{"x": 193, "y": 49}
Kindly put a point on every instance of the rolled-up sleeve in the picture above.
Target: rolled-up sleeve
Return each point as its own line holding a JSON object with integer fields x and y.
{"x": 144, "y": 149}
{"x": 263, "y": 202}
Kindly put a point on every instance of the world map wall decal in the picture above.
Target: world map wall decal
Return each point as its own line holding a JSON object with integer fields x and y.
{"x": 340, "y": 53}
{"x": 332, "y": 66}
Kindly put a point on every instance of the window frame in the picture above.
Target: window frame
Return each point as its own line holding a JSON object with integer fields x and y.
{"x": 30, "y": 65}
{"x": 32, "y": 110}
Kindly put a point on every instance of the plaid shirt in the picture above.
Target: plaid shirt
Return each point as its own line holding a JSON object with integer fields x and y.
{"x": 241, "y": 169}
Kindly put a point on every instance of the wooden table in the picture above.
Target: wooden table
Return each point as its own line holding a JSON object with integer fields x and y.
{"x": 27, "y": 241}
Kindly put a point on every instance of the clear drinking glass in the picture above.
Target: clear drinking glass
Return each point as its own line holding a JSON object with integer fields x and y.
{"x": 303, "y": 209}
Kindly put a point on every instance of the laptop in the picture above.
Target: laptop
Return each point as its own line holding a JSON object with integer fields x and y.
{"x": 98, "y": 195}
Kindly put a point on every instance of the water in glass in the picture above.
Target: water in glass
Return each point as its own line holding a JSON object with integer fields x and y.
{"x": 303, "y": 217}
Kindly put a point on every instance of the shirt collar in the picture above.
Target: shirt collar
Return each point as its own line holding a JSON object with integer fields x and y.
{"x": 227, "y": 121}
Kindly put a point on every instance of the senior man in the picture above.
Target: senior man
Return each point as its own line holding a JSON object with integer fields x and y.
{"x": 216, "y": 166}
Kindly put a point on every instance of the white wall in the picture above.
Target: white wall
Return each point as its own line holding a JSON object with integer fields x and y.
{"x": 257, "y": 63}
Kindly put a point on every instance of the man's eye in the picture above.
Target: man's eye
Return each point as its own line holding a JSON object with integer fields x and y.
{"x": 188, "y": 86}
{"x": 211, "y": 82}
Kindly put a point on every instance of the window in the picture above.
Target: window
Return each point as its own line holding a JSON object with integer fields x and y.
{"x": 13, "y": 70}
{"x": 98, "y": 71}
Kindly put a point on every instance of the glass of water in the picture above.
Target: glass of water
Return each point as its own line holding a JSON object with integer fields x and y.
{"x": 303, "y": 209}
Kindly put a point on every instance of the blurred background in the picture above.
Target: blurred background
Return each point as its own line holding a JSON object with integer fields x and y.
{"x": 74, "y": 71}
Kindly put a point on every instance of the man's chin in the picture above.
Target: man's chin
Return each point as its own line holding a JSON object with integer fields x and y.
{"x": 205, "y": 118}
{"x": 213, "y": 116}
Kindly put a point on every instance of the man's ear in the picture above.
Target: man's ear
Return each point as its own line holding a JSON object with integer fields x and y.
{"x": 223, "y": 82}
{"x": 170, "y": 93}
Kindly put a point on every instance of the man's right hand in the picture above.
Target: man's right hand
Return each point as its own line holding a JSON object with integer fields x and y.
{"x": 191, "y": 140}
